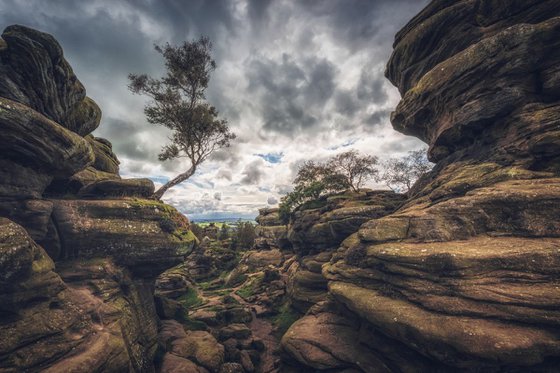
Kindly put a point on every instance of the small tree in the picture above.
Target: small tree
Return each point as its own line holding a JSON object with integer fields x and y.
{"x": 354, "y": 168}
{"x": 179, "y": 103}
{"x": 224, "y": 232}
{"x": 244, "y": 237}
{"x": 347, "y": 170}
{"x": 400, "y": 174}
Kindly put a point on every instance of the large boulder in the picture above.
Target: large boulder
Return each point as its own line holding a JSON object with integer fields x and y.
{"x": 144, "y": 235}
{"x": 35, "y": 73}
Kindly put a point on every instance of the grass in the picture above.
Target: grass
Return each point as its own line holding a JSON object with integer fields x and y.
{"x": 191, "y": 324}
{"x": 285, "y": 318}
{"x": 190, "y": 299}
{"x": 250, "y": 287}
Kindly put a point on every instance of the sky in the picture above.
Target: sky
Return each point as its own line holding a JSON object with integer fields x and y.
{"x": 296, "y": 80}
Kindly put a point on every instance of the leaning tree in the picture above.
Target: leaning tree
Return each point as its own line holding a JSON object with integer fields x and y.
{"x": 178, "y": 102}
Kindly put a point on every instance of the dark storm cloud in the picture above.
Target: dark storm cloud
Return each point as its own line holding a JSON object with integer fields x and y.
{"x": 253, "y": 172}
{"x": 359, "y": 23}
{"x": 291, "y": 94}
{"x": 125, "y": 136}
{"x": 378, "y": 117}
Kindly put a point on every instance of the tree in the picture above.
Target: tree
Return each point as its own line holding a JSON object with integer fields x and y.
{"x": 244, "y": 237}
{"x": 179, "y": 103}
{"x": 400, "y": 174}
{"x": 224, "y": 232}
{"x": 353, "y": 168}
{"x": 348, "y": 170}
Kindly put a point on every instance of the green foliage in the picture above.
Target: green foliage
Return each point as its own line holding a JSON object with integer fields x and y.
{"x": 314, "y": 180}
{"x": 244, "y": 236}
{"x": 224, "y": 232}
{"x": 190, "y": 299}
{"x": 285, "y": 318}
{"x": 197, "y": 230}
{"x": 250, "y": 287}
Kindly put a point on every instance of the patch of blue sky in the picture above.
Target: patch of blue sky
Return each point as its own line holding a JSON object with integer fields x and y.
{"x": 345, "y": 144}
{"x": 271, "y": 157}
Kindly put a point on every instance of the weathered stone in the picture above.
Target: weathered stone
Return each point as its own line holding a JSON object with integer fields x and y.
{"x": 32, "y": 140}
{"x": 314, "y": 230}
{"x": 118, "y": 188}
{"x": 35, "y": 73}
{"x": 128, "y": 230}
{"x": 85, "y": 322}
{"x": 72, "y": 185}
{"x": 105, "y": 159}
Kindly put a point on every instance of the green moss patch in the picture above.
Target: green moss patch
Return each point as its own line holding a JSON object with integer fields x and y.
{"x": 190, "y": 299}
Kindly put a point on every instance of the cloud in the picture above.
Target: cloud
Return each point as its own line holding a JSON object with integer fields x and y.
{"x": 253, "y": 172}
{"x": 272, "y": 200}
{"x": 218, "y": 196}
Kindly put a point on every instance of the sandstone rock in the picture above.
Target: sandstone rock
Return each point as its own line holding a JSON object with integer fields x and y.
{"x": 326, "y": 340}
{"x": 33, "y": 214}
{"x": 200, "y": 347}
{"x": 105, "y": 159}
{"x": 237, "y": 331}
{"x": 314, "y": 230}
{"x": 118, "y": 188}
{"x": 306, "y": 284}
{"x": 85, "y": 322}
{"x": 33, "y": 140}
{"x": 261, "y": 259}
{"x": 76, "y": 182}
{"x": 271, "y": 232}
{"x": 464, "y": 276}
{"x": 231, "y": 368}
{"x": 128, "y": 230}
{"x": 175, "y": 364}
{"x": 19, "y": 181}
{"x": 35, "y": 73}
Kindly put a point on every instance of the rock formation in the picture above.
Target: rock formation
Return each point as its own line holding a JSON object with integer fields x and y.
{"x": 316, "y": 231}
{"x": 465, "y": 275}
{"x": 79, "y": 246}
{"x": 271, "y": 232}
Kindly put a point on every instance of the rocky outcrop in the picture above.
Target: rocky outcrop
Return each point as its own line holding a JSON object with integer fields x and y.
{"x": 271, "y": 232}
{"x": 316, "y": 230}
{"x": 62, "y": 201}
{"x": 465, "y": 275}
{"x": 324, "y": 224}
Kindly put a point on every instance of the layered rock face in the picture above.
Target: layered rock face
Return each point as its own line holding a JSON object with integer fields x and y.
{"x": 465, "y": 275}
{"x": 271, "y": 232}
{"x": 316, "y": 231}
{"x": 79, "y": 246}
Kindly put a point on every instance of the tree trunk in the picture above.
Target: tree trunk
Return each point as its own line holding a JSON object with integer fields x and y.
{"x": 171, "y": 183}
